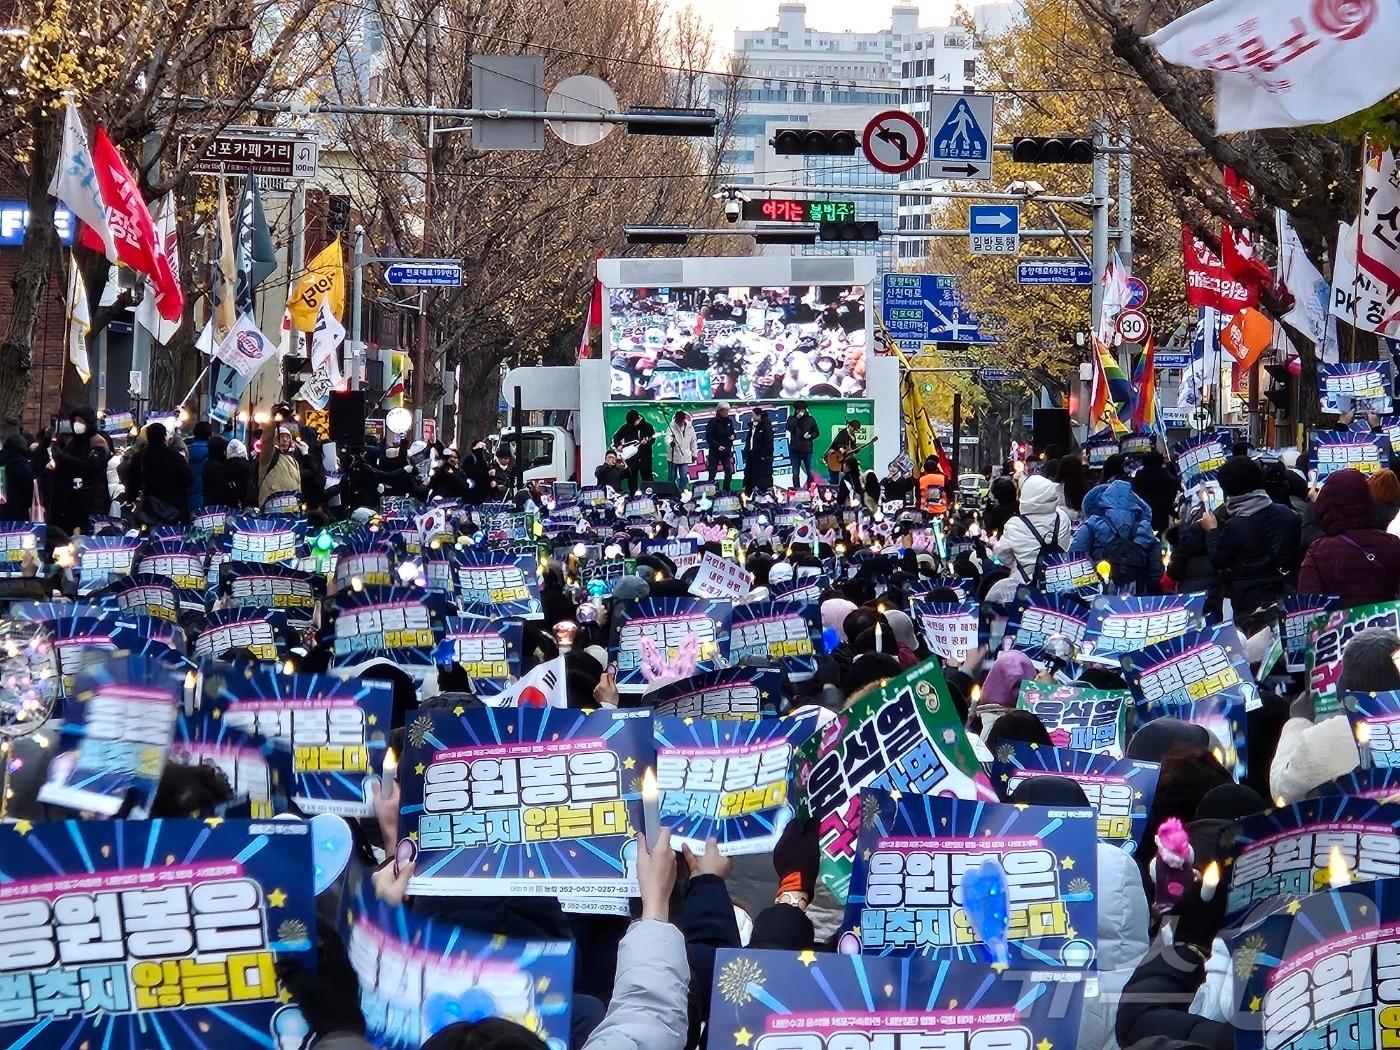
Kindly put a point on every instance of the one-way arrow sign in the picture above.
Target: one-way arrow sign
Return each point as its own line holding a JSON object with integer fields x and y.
{"x": 994, "y": 229}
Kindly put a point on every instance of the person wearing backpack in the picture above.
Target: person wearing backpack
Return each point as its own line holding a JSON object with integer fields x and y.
{"x": 1117, "y": 529}
{"x": 1254, "y": 545}
{"x": 1041, "y": 528}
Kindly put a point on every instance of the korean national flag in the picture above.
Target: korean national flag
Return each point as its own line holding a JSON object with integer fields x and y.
{"x": 542, "y": 687}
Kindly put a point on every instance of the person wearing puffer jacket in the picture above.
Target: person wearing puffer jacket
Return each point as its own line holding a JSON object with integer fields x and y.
{"x": 1352, "y": 558}
{"x": 1117, "y": 528}
{"x": 1041, "y": 525}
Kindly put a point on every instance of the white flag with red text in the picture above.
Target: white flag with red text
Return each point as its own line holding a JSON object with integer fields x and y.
{"x": 1287, "y": 63}
{"x": 75, "y": 183}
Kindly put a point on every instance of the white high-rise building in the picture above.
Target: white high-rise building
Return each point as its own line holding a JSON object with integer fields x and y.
{"x": 797, "y": 76}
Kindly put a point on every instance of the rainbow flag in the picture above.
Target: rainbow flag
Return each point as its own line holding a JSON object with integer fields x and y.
{"x": 1146, "y": 419}
{"x": 1113, "y": 394}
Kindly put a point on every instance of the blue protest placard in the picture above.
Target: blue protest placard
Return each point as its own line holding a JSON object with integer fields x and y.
{"x": 146, "y": 594}
{"x": 508, "y": 584}
{"x": 184, "y": 564}
{"x": 418, "y": 975}
{"x": 1375, "y": 723}
{"x": 681, "y": 629}
{"x": 83, "y": 641}
{"x": 337, "y": 730}
{"x": 264, "y": 540}
{"x": 1330, "y": 451}
{"x": 1199, "y": 458}
{"x": 1037, "y": 617}
{"x": 951, "y": 630}
{"x": 501, "y": 801}
{"x": 1071, "y": 574}
{"x": 779, "y": 1000}
{"x": 117, "y": 726}
{"x": 1120, "y": 791}
{"x": 258, "y": 769}
{"x": 727, "y": 780}
{"x": 101, "y": 559}
{"x": 18, "y": 539}
{"x": 1118, "y": 626}
{"x": 1286, "y": 852}
{"x": 1100, "y": 448}
{"x": 1322, "y": 973}
{"x": 908, "y": 888}
{"x": 730, "y": 693}
{"x": 1202, "y": 677}
{"x": 487, "y": 649}
{"x": 1298, "y": 613}
{"x": 210, "y": 522}
{"x": 1079, "y": 718}
{"x": 295, "y": 592}
{"x": 1365, "y": 782}
{"x": 1359, "y": 386}
{"x": 153, "y": 933}
{"x": 784, "y": 633}
{"x": 261, "y": 632}
{"x": 401, "y": 624}
{"x": 684, "y": 552}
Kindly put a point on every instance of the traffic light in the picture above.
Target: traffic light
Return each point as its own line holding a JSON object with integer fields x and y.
{"x": 1280, "y": 392}
{"x": 1057, "y": 149}
{"x": 809, "y": 142}
{"x": 849, "y": 231}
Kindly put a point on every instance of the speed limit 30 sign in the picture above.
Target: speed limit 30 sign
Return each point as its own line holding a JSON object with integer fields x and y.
{"x": 1134, "y": 326}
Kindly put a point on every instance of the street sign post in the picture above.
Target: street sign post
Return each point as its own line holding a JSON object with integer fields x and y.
{"x": 893, "y": 141}
{"x": 963, "y": 132}
{"x": 1134, "y": 326}
{"x": 998, "y": 375}
{"x": 236, "y": 153}
{"x": 424, "y": 273}
{"x": 994, "y": 229}
{"x": 923, "y": 308}
{"x": 1055, "y": 271}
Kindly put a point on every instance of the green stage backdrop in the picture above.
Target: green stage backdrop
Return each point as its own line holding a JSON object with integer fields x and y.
{"x": 830, "y": 415}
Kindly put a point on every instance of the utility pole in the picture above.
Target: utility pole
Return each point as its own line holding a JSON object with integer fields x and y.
{"x": 356, "y": 293}
{"x": 1125, "y": 200}
{"x": 1100, "y": 223}
{"x": 420, "y": 365}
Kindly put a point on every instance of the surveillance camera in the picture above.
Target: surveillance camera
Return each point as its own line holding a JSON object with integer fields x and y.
{"x": 733, "y": 210}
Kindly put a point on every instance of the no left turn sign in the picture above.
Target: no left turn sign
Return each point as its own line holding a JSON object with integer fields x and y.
{"x": 894, "y": 141}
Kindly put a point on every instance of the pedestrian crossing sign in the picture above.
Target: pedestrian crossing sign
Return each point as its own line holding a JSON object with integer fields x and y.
{"x": 961, "y": 147}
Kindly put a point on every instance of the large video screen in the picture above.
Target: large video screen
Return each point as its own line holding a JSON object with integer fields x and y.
{"x": 742, "y": 344}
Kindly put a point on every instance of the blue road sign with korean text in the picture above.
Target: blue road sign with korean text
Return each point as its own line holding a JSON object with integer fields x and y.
{"x": 416, "y": 275}
{"x": 920, "y": 308}
{"x": 960, "y": 136}
{"x": 1055, "y": 271}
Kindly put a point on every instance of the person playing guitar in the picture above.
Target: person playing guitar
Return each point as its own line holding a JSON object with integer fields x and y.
{"x": 840, "y": 458}
{"x": 633, "y": 442}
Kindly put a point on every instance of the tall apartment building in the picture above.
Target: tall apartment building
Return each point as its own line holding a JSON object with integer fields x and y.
{"x": 799, "y": 76}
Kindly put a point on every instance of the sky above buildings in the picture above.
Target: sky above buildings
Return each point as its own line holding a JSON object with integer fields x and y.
{"x": 725, "y": 16}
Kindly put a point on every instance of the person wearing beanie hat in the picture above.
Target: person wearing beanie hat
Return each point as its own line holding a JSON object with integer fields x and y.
{"x": 1005, "y": 678}
{"x": 1352, "y": 558}
{"x": 1255, "y": 549}
{"x": 1311, "y": 753}
{"x": 1154, "y": 740}
{"x": 902, "y": 627}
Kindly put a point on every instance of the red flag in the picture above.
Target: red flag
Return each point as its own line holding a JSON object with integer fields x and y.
{"x": 945, "y": 466}
{"x": 593, "y": 321}
{"x": 1237, "y": 243}
{"x": 132, "y": 226}
{"x": 1208, "y": 283}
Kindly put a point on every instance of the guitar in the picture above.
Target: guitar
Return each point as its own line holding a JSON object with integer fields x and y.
{"x": 835, "y": 458}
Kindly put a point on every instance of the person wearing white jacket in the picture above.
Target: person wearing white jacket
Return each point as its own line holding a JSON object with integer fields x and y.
{"x": 682, "y": 448}
{"x": 1042, "y": 524}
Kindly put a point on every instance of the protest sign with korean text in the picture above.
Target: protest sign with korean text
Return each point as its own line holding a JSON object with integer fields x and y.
{"x": 683, "y": 552}
{"x": 272, "y": 586}
{"x": 264, "y": 540}
{"x": 261, "y": 632}
{"x": 914, "y": 853}
{"x": 1199, "y": 458}
{"x": 337, "y": 730}
{"x": 720, "y": 578}
{"x": 1327, "y": 641}
{"x": 487, "y": 649}
{"x": 1375, "y": 723}
{"x": 153, "y": 933}
{"x": 1079, "y": 718}
{"x": 681, "y": 629}
{"x": 790, "y": 1000}
{"x": 117, "y": 726}
{"x": 418, "y": 975}
{"x": 786, "y": 633}
{"x": 1119, "y": 625}
{"x": 727, "y": 780}
{"x": 905, "y": 736}
{"x": 146, "y": 594}
{"x": 185, "y": 564}
{"x": 534, "y": 801}
{"x": 101, "y": 559}
{"x": 1285, "y": 852}
{"x": 1298, "y": 613}
{"x": 401, "y": 624}
{"x": 507, "y": 584}
{"x": 1071, "y": 574}
{"x": 950, "y": 629}
{"x": 1358, "y": 386}
{"x": 1120, "y": 791}
{"x": 1333, "y": 450}
{"x": 1036, "y": 618}
{"x": 732, "y": 693}
{"x": 81, "y": 641}
{"x": 258, "y": 769}
{"x": 18, "y": 539}
{"x": 1202, "y": 677}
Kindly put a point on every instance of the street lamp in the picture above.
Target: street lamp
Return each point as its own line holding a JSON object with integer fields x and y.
{"x": 399, "y": 420}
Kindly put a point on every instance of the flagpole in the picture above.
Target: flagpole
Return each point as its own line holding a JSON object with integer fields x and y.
{"x": 195, "y": 388}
